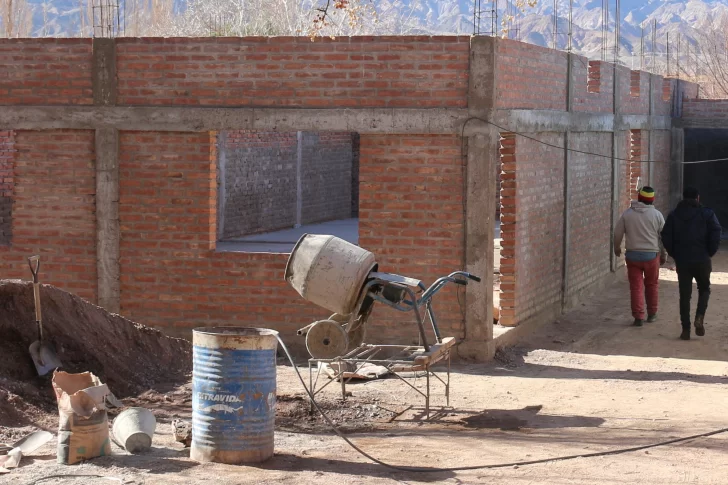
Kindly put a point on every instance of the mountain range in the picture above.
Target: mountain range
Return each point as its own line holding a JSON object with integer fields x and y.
{"x": 676, "y": 19}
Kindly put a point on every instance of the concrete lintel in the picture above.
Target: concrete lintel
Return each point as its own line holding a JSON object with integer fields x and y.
{"x": 479, "y": 247}
{"x": 366, "y": 120}
{"x": 107, "y": 219}
{"x": 104, "y": 71}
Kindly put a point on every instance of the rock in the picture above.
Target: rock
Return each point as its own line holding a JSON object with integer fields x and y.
{"x": 182, "y": 431}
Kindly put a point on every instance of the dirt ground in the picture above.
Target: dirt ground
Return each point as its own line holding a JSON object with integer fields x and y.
{"x": 590, "y": 382}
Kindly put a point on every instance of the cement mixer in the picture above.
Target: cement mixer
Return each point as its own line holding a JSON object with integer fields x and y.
{"x": 344, "y": 279}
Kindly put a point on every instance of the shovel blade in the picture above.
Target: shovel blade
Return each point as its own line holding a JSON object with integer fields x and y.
{"x": 44, "y": 357}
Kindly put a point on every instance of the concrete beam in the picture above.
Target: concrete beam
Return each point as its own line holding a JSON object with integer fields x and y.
{"x": 535, "y": 121}
{"x": 103, "y": 70}
{"x": 107, "y": 219}
{"x": 365, "y": 121}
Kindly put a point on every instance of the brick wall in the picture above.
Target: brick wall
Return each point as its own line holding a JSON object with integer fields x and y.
{"x": 355, "y": 175}
{"x": 638, "y": 151}
{"x": 7, "y": 150}
{"x": 260, "y": 182}
{"x": 45, "y": 71}
{"x": 508, "y": 219}
{"x": 705, "y": 108}
{"x": 326, "y": 166}
{"x": 171, "y": 276}
{"x": 662, "y": 92}
{"x": 590, "y": 199}
{"x": 593, "y": 82}
{"x": 411, "y": 217}
{"x": 260, "y": 177}
{"x": 530, "y": 76}
{"x": 661, "y": 176}
{"x": 415, "y": 71}
{"x": 534, "y": 240}
{"x": 634, "y": 92}
{"x": 54, "y": 210}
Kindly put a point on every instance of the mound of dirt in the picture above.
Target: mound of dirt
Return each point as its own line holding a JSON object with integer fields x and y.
{"x": 129, "y": 357}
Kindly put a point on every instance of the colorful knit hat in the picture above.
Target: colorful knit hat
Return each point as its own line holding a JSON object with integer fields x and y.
{"x": 647, "y": 195}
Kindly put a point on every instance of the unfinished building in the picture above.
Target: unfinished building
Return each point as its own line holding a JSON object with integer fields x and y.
{"x": 117, "y": 156}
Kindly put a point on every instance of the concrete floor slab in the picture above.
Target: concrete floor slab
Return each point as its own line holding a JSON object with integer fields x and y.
{"x": 284, "y": 240}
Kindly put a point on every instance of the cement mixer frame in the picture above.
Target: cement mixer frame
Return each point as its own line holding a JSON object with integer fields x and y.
{"x": 398, "y": 292}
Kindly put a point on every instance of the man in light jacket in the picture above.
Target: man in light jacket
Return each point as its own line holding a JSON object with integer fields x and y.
{"x": 692, "y": 237}
{"x": 642, "y": 223}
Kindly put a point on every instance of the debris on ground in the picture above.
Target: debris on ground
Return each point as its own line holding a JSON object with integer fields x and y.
{"x": 293, "y": 413}
{"x": 182, "y": 431}
{"x": 130, "y": 358}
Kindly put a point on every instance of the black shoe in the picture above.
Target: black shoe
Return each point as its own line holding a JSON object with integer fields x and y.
{"x": 652, "y": 318}
{"x": 699, "y": 325}
{"x": 637, "y": 322}
{"x": 685, "y": 335}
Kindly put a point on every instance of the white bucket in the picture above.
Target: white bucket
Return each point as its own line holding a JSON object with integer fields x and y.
{"x": 329, "y": 271}
{"x": 134, "y": 429}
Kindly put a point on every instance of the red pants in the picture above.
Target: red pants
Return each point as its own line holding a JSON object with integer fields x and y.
{"x": 643, "y": 278}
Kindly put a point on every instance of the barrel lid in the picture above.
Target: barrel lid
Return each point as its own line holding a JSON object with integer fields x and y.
{"x": 233, "y": 331}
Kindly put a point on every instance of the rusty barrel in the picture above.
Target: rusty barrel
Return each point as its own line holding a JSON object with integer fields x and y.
{"x": 233, "y": 394}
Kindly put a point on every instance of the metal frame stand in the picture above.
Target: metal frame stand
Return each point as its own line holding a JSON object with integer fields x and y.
{"x": 408, "y": 359}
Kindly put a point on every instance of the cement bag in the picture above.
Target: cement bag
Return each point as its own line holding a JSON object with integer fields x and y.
{"x": 83, "y": 426}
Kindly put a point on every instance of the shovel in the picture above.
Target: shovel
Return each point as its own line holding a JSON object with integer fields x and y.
{"x": 43, "y": 354}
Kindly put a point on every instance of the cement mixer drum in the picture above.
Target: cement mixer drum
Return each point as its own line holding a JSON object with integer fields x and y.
{"x": 329, "y": 271}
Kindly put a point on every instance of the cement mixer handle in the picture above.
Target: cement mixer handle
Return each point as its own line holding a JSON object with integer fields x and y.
{"x": 473, "y": 277}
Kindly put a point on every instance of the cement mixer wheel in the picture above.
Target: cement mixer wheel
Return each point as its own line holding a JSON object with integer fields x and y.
{"x": 326, "y": 339}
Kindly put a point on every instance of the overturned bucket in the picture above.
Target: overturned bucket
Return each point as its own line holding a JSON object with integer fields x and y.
{"x": 134, "y": 429}
{"x": 233, "y": 394}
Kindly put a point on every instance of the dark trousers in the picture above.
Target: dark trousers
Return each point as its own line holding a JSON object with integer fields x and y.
{"x": 686, "y": 272}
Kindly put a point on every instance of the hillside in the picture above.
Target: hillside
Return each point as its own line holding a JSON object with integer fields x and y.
{"x": 72, "y": 18}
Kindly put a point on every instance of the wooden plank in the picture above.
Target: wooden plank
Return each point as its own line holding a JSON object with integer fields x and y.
{"x": 436, "y": 353}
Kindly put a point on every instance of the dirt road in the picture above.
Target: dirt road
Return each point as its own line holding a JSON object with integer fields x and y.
{"x": 589, "y": 383}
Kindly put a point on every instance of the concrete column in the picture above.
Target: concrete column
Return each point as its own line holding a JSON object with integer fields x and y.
{"x": 567, "y": 182}
{"x": 480, "y": 248}
{"x": 107, "y": 179}
{"x": 677, "y": 157}
{"x": 481, "y": 177}
{"x": 107, "y": 219}
{"x": 104, "y": 72}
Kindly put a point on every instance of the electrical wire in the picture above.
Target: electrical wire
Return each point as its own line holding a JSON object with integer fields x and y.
{"x": 523, "y": 135}
{"x": 618, "y": 451}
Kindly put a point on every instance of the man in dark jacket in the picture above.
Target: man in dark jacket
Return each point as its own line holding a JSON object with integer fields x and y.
{"x": 691, "y": 237}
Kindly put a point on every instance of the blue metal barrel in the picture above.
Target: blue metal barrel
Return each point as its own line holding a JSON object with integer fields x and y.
{"x": 233, "y": 394}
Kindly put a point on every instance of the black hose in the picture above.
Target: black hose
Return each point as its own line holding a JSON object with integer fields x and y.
{"x": 479, "y": 467}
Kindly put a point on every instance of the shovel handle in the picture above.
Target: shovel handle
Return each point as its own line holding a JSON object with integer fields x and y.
{"x": 35, "y": 260}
